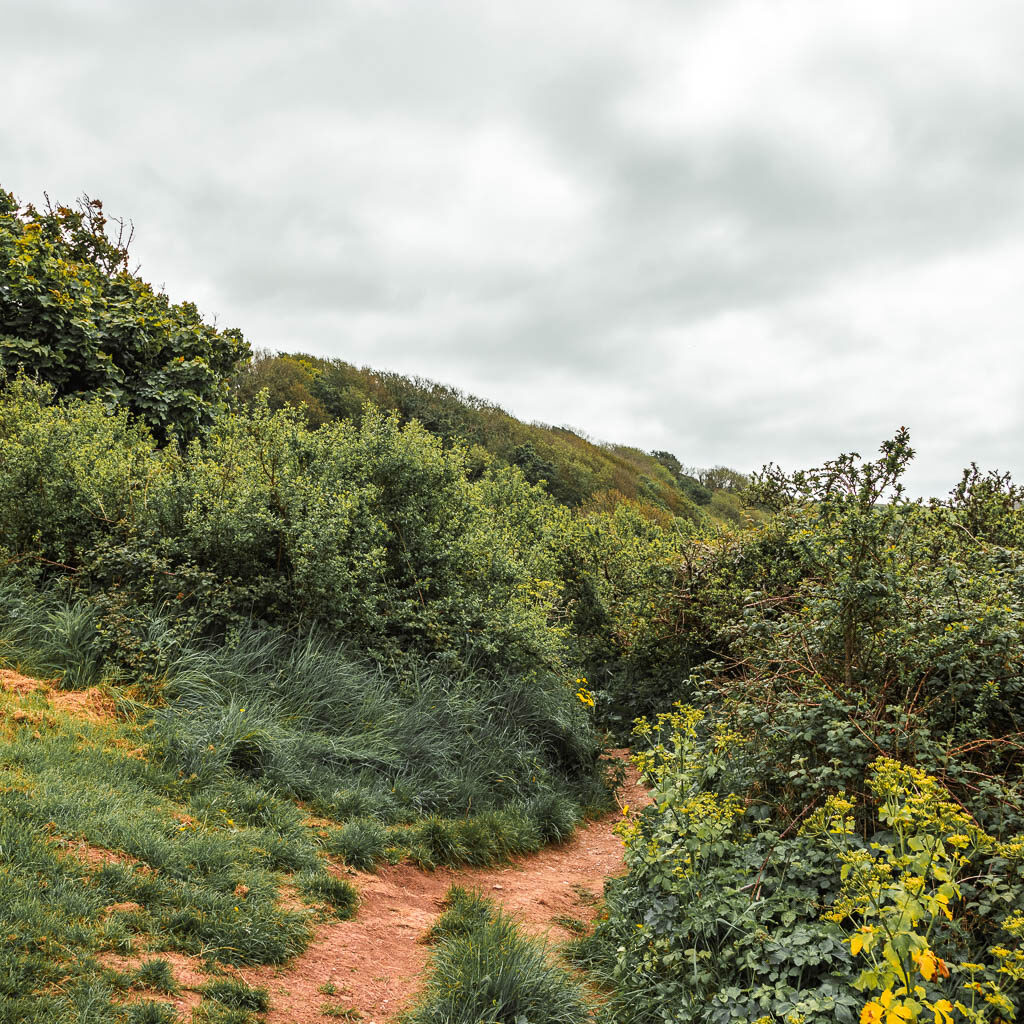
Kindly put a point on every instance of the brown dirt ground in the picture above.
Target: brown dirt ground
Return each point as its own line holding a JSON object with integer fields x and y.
{"x": 376, "y": 960}
{"x": 91, "y": 704}
{"x": 15, "y": 682}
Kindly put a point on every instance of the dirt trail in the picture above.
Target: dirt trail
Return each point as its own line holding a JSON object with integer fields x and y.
{"x": 375, "y": 961}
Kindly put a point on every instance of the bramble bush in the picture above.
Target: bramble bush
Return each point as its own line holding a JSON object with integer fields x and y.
{"x": 840, "y": 824}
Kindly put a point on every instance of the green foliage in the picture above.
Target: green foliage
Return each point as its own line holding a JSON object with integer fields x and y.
{"x": 892, "y": 629}
{"x": 717, "y": 919}
{"x": 898, "y": 896}
{"x": 841, "y": 824}
{"x": 485, "y": 970}
{"x": 73, "y": 315}
{"x": 373, "y": 532}
{"x": 574, "y": 470}
{"x": 646, "y": 602}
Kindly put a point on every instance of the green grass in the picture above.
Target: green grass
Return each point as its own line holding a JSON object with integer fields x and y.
{"x": 485, "y": 969}
{"x": 155, "y": 974}
{"x": 63, "y": 782}
{"x": 360, "y": 844}
{"x": 150, "y": 1012}
{"x": 187, "y": 804}
{"x": 237, "y": 995}
{"x": 322, "y": 887}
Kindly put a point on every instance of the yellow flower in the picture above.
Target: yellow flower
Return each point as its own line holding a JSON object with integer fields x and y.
{"x": 872, "y": 1013}
{"x": 927, "y": 962}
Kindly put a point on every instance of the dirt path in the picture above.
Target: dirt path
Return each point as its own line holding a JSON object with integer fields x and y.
{"x": 375, "y": 961}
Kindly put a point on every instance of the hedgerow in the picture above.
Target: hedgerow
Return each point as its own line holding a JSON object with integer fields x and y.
{"x": 836, "y": 831}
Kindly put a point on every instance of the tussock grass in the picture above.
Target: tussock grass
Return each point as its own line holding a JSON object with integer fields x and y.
{"x": 322, "y": 887}
{"x": 237, "y": 994}
{"x": 485, "y": 969}
{"x": 155, "y": 974}
{"x": 173, "y": 827}
{"x": 360, "y": 844}
{"x": 149, "y": 1011}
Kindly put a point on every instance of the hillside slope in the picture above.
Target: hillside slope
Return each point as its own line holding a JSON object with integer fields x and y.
{"x": 576, "y": 470}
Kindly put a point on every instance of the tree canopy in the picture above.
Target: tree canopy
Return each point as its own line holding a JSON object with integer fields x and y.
{"x": 73, "y": 314}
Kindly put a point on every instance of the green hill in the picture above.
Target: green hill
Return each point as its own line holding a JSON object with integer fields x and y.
{"x": 575, "y": 470}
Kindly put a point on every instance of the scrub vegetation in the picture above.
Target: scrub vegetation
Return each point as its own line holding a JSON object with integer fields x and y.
{"x": 296, "y": 619}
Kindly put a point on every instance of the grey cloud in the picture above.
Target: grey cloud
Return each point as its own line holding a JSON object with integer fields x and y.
{"x": 305, "y": 171}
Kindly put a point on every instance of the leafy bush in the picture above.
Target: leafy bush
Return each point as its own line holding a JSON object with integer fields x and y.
{"x": 837, "y": 832}
{"x": 374, "y": 533}
{"x": 74, "y": 316}
{"x": 728, "y": 916}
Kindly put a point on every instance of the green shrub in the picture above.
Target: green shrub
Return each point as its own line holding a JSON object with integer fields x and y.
{"x": 75, "y": 316}
{"x": 872, "y": 669}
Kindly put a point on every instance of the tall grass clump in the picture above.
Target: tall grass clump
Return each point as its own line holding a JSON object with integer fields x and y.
{"x": 50, "y": 636}
{"x": 302, "y": 717}
{"x": 484, "y": 968}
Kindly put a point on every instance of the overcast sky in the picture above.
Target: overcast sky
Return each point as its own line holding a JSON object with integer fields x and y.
{"x": 740, "y": 231}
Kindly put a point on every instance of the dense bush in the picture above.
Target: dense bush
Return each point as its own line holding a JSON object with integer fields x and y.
{"x": 837, "y": 834}
{"x": 648, "y": 604}
{"x": 73, "y": 315}
{"x": 375, "y": 533}
{"x": 572, "y": 468}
